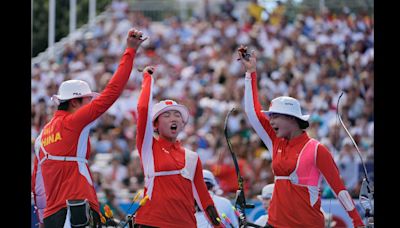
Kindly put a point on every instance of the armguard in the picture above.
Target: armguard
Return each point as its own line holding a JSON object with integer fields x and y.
{"x": 213, "y": 215}
{"x": 345, "y": 198}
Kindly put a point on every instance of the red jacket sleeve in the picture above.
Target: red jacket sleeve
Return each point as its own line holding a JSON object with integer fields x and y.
{"x": 328, "y": 168}
{"x": 257, "y": 119}
{"x": 201, "y": 189}
{"x": 144, "y": 114}
{"x": 110, "y": 94}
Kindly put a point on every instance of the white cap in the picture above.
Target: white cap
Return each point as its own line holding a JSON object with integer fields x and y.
{"x": 167, "y": 105}
{"x": 286, "y": 105}
{"x": 266, "y": 192}
{"x": 209, "y": 177}
{"x": 73, "y": 89}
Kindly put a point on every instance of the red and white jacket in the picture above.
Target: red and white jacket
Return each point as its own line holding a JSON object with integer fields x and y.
{"x": 297, "y": 165}
{"x": 60, "y": 168}
{"x": 173, "y": 174}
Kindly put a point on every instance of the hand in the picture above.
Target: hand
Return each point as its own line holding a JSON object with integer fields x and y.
{"x": 134, "y": 38}
{"x": 149, "y": 69}
{"x": 249, "y": 63}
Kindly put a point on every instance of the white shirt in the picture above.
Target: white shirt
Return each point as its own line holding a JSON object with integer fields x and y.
{"x": 223, "y": 205}
{"x": 262, "y": 220}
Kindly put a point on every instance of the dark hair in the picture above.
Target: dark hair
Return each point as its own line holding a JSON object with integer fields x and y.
{"x": 65, "y": 104}
{"x": 209, "y": 185}
{"x": 302, "y": 124}
{"x": 154, "y": 129}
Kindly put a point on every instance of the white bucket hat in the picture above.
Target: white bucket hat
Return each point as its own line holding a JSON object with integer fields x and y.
{"x": 266, "y": 192}
{"x": 73, "y": 89}
{"x": 167, "y": 105}
{"x": 209, "y": 177}
{"x": 288, "y": 106}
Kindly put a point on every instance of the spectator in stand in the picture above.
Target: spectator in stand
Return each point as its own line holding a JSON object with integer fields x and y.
{"x": 349, "y": 165}
{"x": 112, "y": 202}
{"x": 227, "y": 8}
{"x": 115, "y": 173}
{"x": 265, "y": 198}
{"x": 255, "y": 10}
{"x": 223, "y": 205}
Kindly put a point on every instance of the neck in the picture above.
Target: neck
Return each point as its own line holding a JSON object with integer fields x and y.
{"x": 295, "y": 133}
{"x": 72, "y": 109}
{"x": 169, "y": 139}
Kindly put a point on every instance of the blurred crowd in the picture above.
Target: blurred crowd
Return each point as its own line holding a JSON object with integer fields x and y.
{"x": 313, "y": 57}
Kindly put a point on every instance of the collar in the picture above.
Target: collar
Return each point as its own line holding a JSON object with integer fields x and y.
{"x": 167, "y": 144}
{"x": 303, "y": 137}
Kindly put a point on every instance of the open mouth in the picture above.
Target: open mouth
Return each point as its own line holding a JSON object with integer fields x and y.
{"x": 276, "y": 129}
{"x": 174, "y": 127}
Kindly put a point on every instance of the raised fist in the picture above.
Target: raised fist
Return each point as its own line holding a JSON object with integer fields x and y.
{"x": 135, "y": 38}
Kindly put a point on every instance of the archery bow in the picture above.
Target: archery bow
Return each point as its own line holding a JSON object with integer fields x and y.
{"x": 130, "y": 216}
{"x": 240, "y": 201}
{"x": 367, "y": 191}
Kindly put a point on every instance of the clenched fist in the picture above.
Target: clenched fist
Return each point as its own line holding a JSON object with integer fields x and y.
{"x": 135, "y": 38}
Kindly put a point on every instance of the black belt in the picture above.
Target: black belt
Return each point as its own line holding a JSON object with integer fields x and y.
{"x": 143, "y": 226}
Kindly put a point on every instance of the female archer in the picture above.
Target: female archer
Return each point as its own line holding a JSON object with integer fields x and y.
{"x": 298, "y": 161}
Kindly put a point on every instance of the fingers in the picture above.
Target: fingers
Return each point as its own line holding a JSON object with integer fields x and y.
{"x": 243, "y": 54}
{"x": 240, "y": 55}
{"x": 132, "y": 32}
{"x": 149, "y": 69}
{"x": 143, "y": 39}
{"x": 135, "y": 34}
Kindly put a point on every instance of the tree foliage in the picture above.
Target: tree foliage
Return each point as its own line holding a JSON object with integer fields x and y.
{"x": 40, "y": 20}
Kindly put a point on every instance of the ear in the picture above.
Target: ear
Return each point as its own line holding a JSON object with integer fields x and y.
{"x": 74, "y": 103}
{"x": 155, "y": 124}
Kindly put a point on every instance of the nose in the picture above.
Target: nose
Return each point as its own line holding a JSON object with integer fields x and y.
{"x": 174, "y": 118}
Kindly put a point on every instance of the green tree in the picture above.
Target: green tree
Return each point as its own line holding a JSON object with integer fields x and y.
{"x": 40, "y": 16}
